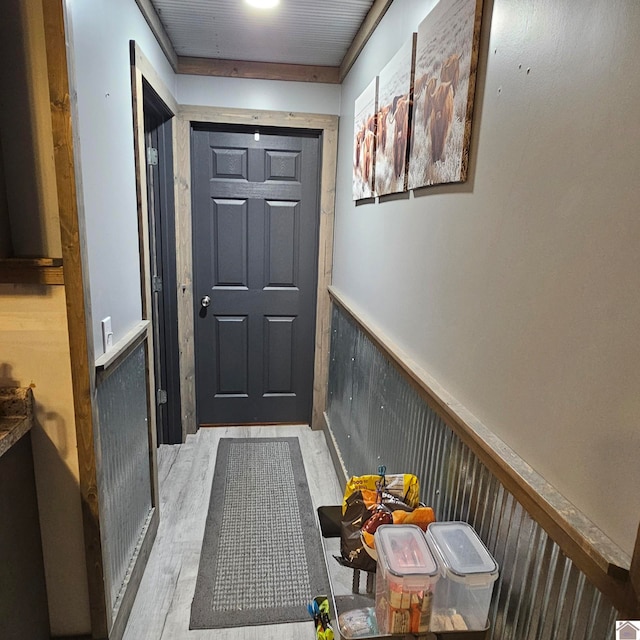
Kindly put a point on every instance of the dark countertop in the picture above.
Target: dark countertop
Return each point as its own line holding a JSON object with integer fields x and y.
{"x": 16, "y": 415}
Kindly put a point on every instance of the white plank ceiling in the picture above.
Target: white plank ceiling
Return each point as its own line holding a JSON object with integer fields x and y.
{"x": 311, "y": 32}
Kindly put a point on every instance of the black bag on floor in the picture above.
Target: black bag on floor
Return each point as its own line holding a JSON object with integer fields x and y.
{"x": 369, "y": 501}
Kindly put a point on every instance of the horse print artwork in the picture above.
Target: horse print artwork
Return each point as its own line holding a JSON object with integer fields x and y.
{"x": 444, "y": 86}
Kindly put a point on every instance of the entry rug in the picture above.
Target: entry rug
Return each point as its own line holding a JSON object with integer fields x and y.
{"x": 262, "y": 560}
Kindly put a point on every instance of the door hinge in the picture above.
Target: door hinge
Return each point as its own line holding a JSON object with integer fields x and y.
{"x": 156, "y": 284}
{"x": 162, "y": 396}
{"x": 152, "y": 156}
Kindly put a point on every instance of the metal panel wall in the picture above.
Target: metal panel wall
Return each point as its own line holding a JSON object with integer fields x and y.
{"x": 377, "y": 417}
{"x": 125, "y": 484}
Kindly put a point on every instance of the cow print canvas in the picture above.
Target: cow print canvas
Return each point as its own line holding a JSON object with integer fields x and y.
{"x": 394, "y": 110}
{"x": 444, "y": 86}
{"x": 364, "y": 144}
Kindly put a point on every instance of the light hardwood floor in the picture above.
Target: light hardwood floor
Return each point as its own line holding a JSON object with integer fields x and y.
{"x": 163, "y": 604}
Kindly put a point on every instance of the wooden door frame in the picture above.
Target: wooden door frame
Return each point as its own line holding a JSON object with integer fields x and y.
{"x": 328, "y": 127}
{"x": 141, "y": 69}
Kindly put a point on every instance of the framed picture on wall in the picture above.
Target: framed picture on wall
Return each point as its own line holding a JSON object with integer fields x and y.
{"x": 394, "y": 108}
{"x": 444, "y": 87}
{"x": 364, "y": 144}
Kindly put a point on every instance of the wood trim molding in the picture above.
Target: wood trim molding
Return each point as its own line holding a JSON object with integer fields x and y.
{"x": 258, "y": 70}
{"x": 137, "y": 99}
{"x": 252, "y": 117}
{"x": 368, "y": 26}
{"x": 157, "y": 28}
{"x": 141, "y": 62}
{"x": 604, "y": 564}
{"x": 69, "y": 186}
{"x": 334, "y": 452}
{"x": 325, "y": 272}
{"x": 184, "y": 272}
{"x": 135, "y": 573}
{"x": 328, "y": 126}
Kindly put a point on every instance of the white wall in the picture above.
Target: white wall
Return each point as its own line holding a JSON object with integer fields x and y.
{"x": 518, "y": 290}
{"x": 101, "y": 30}
{"x": 242, "y": 93}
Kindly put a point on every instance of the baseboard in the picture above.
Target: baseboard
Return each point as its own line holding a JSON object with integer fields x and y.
{"x": 336, "y": 458}
{"x": 134, "y": 575}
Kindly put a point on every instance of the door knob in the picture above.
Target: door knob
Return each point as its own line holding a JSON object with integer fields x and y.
{"x": 205, "y": 302}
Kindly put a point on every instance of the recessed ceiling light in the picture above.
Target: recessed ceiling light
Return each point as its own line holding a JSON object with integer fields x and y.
{"x": 263, "y": 4}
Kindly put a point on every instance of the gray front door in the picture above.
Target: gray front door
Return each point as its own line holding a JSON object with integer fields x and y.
{"x": 255, "y": 240}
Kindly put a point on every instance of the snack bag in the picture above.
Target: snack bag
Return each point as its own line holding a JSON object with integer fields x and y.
{"x": 370, "y": 501}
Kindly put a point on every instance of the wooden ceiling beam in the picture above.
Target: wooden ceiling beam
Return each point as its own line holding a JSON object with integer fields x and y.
{"x": 368, "y": 26}
{"x": 258, "y": 70}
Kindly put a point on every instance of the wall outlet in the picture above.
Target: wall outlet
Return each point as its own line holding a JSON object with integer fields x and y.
{"x": 107, "y": 334}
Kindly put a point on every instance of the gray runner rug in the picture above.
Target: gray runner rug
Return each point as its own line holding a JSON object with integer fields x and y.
{"x": 262, "y": 560}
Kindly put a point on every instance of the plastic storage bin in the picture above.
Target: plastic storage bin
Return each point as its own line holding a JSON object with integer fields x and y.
{"x": 405, "y": 577}
{"x": 463, "y": 594}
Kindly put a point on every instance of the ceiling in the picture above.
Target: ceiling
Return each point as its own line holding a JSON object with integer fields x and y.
{"x": 313, "y": 33}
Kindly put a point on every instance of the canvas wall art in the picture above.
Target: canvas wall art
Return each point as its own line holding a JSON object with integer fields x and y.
{"x": 394, "y": 109}
{"x": 444, "y": 86}
{"x": 364, "y": 147}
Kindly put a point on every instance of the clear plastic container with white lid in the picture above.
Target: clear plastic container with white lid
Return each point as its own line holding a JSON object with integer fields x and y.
{"x": 405, "y": 577}
{"x": 463, "y": 595}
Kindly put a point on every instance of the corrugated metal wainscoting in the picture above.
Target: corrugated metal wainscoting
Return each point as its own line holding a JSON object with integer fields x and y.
{"x": 377, "y": 417}
{"x": 124, "y": 480}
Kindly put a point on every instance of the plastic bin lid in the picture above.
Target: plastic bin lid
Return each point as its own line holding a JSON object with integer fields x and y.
{"x": 404, "y": 550}
{"x": 461, "y": 548}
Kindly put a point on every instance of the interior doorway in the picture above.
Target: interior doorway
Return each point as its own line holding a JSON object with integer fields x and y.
{"x": 158, "y": 124}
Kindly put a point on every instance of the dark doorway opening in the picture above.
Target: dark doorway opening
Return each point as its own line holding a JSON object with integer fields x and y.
{"x": 158, "y": 128}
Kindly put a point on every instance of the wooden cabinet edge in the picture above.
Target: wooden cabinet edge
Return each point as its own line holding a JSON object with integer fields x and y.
{"x": 47, "y": 271}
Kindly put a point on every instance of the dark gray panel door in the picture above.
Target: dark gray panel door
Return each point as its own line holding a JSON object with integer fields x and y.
{"x": 255, "y": 230}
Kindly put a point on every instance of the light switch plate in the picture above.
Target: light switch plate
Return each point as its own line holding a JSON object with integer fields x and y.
{"x": 107, "y": 334}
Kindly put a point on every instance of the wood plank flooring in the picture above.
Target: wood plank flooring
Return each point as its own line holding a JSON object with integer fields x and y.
{"x": 163, "y": 603}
